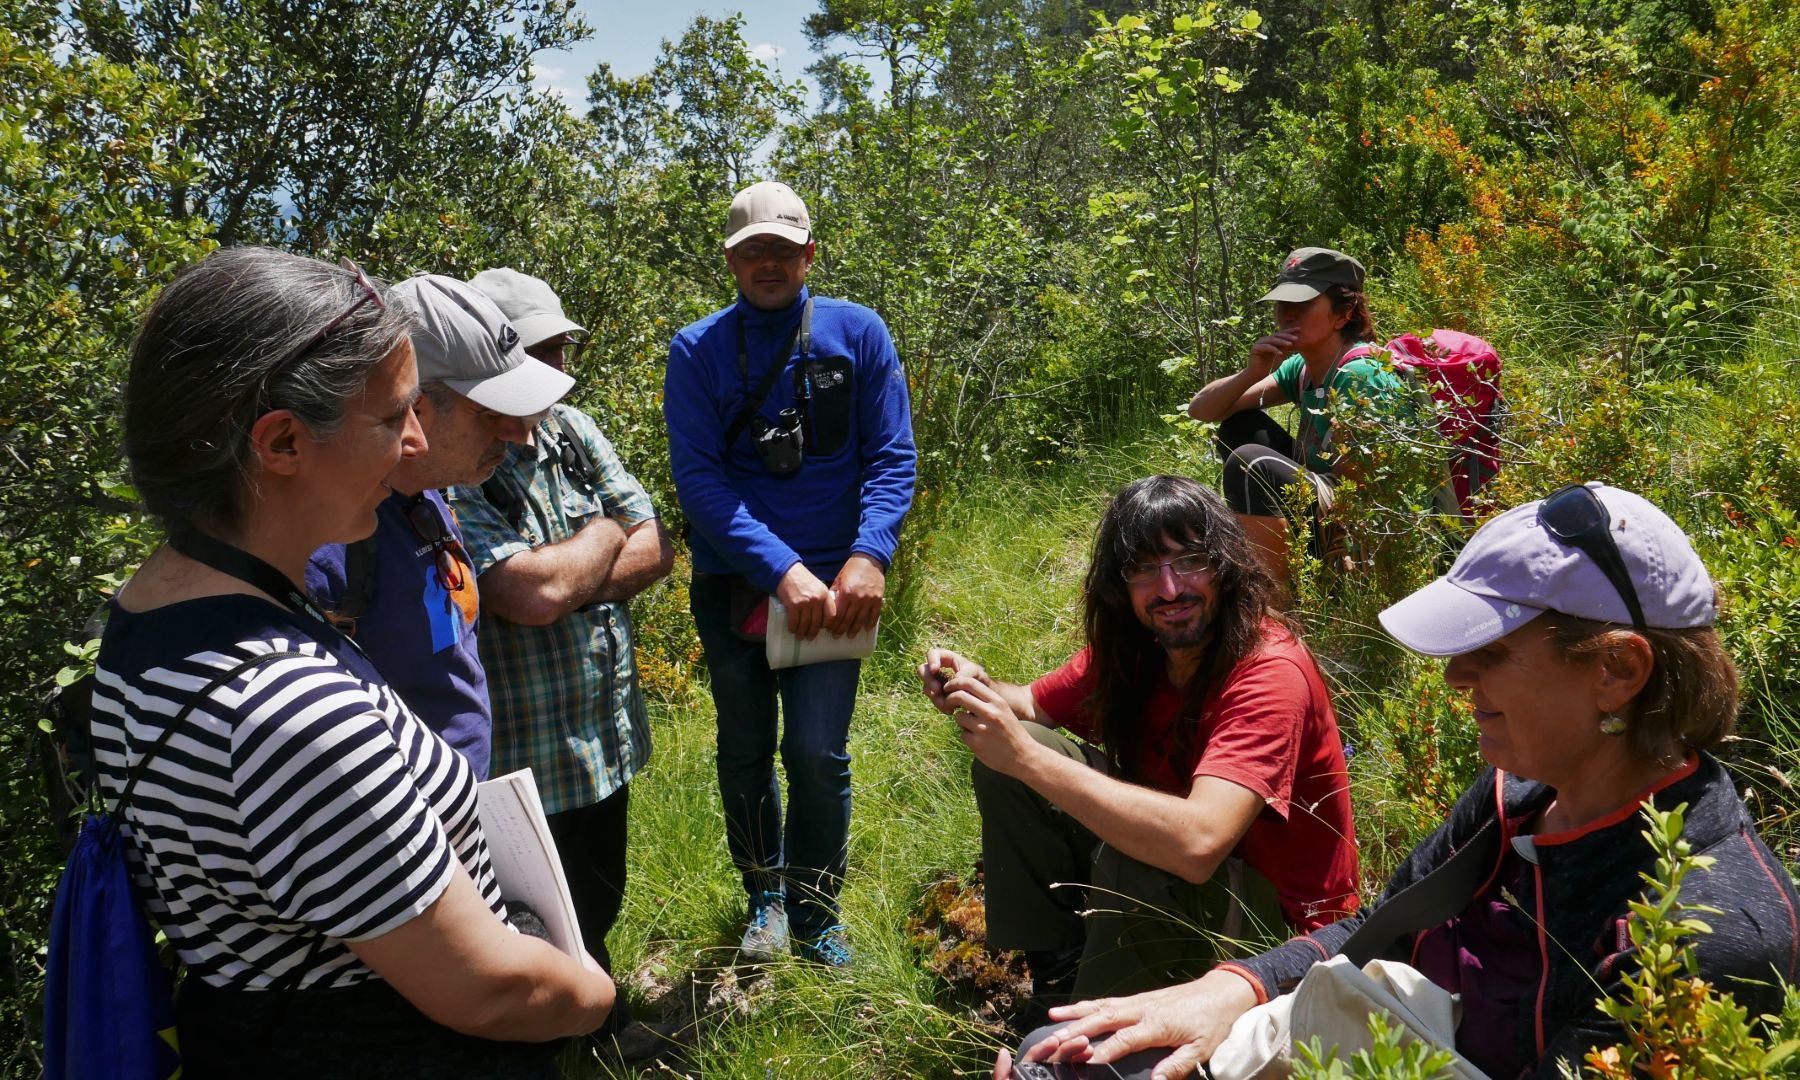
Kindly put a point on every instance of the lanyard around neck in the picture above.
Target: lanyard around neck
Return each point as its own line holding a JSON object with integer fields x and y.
{"x": 240, "y": 564}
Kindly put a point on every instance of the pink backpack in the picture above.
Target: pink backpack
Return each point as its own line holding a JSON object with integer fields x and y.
{"x": 1461, "y": 372}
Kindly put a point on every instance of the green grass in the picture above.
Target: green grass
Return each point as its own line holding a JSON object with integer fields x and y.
{"x": 1004, "y": 572}
{"x": 996, "y": 573}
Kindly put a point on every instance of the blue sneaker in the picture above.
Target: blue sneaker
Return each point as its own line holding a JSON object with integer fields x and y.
{"x": 830, "y": 949}
{"x": 766, "y": 938}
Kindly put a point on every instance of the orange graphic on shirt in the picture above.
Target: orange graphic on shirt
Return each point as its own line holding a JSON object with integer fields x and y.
{"x": 466, "y": 599}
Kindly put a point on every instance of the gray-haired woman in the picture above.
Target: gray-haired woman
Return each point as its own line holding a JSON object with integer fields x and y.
{"x": 311, "y": 850}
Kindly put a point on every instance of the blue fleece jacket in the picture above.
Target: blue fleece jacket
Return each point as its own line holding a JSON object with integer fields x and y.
{"x": 856, "y": 484}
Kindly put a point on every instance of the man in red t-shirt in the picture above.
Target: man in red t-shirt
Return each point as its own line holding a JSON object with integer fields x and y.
{"x": 1207, "y": 807}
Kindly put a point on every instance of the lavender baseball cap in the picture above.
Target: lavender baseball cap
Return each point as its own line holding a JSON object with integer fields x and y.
{"x": 1514, "y": 570}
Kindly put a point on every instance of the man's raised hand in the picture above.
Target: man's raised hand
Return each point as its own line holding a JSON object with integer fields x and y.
{"x": 940, "y": 666}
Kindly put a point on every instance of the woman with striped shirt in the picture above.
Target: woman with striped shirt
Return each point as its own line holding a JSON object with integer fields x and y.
{"x": 311, "y": 850}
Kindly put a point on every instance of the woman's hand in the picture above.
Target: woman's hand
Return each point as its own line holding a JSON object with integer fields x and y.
{"x": 1268, "y": 352}
{"x": 1193, "y": 1018}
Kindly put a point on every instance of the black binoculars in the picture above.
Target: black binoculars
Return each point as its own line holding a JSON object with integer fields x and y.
{"x": 781, "y": 446}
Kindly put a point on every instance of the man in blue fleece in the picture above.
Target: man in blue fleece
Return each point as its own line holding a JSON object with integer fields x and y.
{"x": 790, "y": 434}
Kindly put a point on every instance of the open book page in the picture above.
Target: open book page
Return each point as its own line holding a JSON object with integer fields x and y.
{"x": 784, "y": 650}
{"x": 524, "y": 855}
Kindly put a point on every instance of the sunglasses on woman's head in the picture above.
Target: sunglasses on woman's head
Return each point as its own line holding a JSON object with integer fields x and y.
{"x": 370, "y": 295}
{"x": 1577, "y": 517}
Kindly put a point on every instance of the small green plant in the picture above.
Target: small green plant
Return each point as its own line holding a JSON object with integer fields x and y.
{"x": 1677, "y": 1025}
{"x": 1388, "y": 1059}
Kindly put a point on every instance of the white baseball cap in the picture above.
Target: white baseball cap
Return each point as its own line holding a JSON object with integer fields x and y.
{"x": 528, "y": 303}
{"x": 768, "y": 207}
{"x": 464, "y": 342}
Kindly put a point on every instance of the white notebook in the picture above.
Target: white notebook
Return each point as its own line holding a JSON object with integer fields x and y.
{"x": 784, "y": 650}
{"x": 524, "y": 855}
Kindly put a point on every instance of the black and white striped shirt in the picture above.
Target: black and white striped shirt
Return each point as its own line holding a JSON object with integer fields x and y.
{"x": 302, "y": 798}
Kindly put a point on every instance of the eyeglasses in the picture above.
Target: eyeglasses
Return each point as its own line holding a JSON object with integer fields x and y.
{"x": 758, "y": 250}
{"x": 568, "y": 347}
{"x": 1577, "y": 517}
{"x": 1184, "y": 566}
{"x": 370, "y": 295}
{"x": 425, "y": 521}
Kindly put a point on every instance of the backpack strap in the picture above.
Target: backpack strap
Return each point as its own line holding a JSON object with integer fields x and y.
{"x": 574, "y": 454}
{"x": 137, "y": 771}
{"x": 1432, "y": 899}
{"x": 503, "y": 498}
{"x": 359, "y": 578}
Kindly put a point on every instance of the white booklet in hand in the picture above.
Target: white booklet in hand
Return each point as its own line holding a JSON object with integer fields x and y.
{"x": 524, "y": 855}
{"x": 784, "y": 650}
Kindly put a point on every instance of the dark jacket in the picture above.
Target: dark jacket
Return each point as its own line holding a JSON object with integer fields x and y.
{"x": 1583, "y": 881}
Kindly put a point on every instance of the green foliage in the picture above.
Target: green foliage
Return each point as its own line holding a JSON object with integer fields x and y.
{"x": 83, "y": 150}
{"x": 1064, "y": 216}
{"x": 1175, "y": 229}
{"x": 1677, "y": 1026}
{"x": 1389, "y": 1058}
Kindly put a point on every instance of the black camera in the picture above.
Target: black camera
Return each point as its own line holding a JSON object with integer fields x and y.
{"x": 781, "y": 446}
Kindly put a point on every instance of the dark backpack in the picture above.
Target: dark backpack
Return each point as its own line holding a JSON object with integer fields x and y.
{"x": 109, "y": 1002}
{"x": 1461, "y": 374}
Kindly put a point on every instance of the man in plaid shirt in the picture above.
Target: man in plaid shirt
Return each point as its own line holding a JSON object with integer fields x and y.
{"x": 562, "y": 538}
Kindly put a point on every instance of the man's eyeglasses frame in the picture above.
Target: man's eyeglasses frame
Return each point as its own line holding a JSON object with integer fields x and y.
{"x": 1191, "y": 565}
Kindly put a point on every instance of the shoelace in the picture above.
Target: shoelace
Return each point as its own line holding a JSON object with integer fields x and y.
{"x": 830, "y": 944}
{"x": 762, "y": 906}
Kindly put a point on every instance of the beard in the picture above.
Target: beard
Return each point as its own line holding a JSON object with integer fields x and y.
{"x": 1190, "y": 634}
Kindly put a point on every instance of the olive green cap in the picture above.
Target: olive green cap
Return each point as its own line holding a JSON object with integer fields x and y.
{"x": 1309, "y": 271}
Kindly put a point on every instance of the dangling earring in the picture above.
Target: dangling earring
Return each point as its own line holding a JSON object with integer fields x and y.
{"x": 1612, "y": 724}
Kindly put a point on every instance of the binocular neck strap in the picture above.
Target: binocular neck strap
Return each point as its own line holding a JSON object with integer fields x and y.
{"x": 802, "y": 340}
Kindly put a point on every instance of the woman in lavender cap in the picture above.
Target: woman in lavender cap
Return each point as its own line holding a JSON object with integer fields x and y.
{"x": 1581, "y": 627}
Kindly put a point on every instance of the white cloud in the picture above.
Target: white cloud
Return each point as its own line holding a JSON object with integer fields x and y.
{"x": 768, "y": 52}
{"x": 548, "y": 80}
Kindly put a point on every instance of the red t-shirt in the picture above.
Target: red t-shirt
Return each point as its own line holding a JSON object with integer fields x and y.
{"x": 1269, "y": 728}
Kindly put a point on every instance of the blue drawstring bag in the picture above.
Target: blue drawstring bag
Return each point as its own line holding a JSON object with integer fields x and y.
{"x": 109, "y": 1001}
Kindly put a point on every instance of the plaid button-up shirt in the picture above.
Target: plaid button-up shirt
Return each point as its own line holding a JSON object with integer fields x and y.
{"x": 565, "y": 696}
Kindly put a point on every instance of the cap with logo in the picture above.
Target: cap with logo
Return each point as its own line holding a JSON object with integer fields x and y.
{"x": 1514, "y": 570}
{"x": 768, "y": 207}
{"x": 1309, "y": 271}
{"x": 466, "y": 343}
{"x": 528, "y": 303}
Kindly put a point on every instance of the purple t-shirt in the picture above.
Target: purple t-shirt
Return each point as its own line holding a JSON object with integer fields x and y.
{"x": 1489, "y": 954}
{"x": 419, "y": 625}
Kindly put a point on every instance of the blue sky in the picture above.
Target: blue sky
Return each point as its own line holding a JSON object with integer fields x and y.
{"x": 628, "y": 35}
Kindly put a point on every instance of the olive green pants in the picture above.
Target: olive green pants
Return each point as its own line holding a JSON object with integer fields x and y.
{"x": 1052, "y": 884}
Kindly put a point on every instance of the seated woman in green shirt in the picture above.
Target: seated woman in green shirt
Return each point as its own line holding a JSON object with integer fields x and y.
{"x": 1318, "y": 357}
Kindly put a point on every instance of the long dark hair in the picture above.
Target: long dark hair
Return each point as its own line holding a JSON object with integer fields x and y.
{"x": 1126, "y": 658}
{"x": 1361, "y": 324}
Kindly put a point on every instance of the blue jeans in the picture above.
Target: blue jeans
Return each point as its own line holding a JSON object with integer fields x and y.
{"x": 817, "y": 701}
